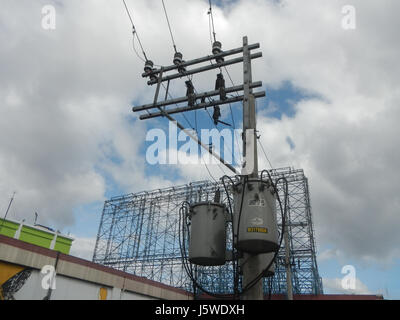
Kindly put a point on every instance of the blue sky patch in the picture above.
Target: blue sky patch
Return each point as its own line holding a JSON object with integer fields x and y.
{"x": 281, "y": 102}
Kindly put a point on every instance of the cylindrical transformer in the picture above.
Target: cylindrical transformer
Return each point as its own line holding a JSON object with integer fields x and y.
{"x": 255, "y": 222}
{"x": 207, "y": 245}
{"x": 263, "y": 259}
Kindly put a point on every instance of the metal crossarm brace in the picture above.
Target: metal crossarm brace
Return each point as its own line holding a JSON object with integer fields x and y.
{"x": 206, "y": 68}
{"x": 203, "y": 59}
{"x": 200, "y": 106}
{"x": 197, "y": 96}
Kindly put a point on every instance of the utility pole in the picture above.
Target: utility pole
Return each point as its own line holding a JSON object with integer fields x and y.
{"x": 253, "y": 266}
{"x": 249, "y": 108}
{"x": 196, "y": 101}
{"x": 288, "y": 265}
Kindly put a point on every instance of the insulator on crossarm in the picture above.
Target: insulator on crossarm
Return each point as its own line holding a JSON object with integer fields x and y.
{"x": 217, "y": 49}
{"x": 220, "y": 85}
{"x": 190, "y": 93}
{"x": 181, "y": 69}
{"x": 178, "y": 58}
{"x": 216, "y": 114}
{"x": 148, "y": 69}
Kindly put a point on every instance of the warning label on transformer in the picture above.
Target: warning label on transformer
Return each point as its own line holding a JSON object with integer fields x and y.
{"x": 257, "y": 230}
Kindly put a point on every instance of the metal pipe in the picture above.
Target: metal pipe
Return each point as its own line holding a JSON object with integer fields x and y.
{"x": 205, "y": 68}
{"x": 203, "y": 59}
{"x": 200, "y": 106}
{"x": 197, "y": 96}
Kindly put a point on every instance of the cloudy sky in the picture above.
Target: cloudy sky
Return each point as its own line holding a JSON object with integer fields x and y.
{"x": 69, "y": 139}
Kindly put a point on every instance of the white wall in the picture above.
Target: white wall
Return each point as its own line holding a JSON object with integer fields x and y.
{"x": 70, "y": 289}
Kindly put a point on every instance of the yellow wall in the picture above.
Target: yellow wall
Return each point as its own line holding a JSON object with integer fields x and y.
{"x": 7, "y": 271}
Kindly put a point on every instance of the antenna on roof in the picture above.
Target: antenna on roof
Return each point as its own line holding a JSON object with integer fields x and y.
{"x": 8, "y": 208}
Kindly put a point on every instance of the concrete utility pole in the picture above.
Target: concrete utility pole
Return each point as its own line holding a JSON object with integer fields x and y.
{"x": 249, "y": 107}
{"x": 287, "y": 265}
{"x": 252, "y": 266}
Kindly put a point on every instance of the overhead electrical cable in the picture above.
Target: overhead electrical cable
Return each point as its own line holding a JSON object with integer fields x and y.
{"x": 134, "y": 49}
{"x": 199, "y": 149}
{"x": 169, "y": 26}
{"x": 171, "y": 97}
{"x": 265, "y": 154}
{"x": 209, "y": 28}
{"x": 212, "y": 21}
{"x": 134, "y": 28}
{"x": 196, "y": 129}
{"x": 191, "y": 79}
{"x": 212, "y": 31}
{"x": 262, "y": 148}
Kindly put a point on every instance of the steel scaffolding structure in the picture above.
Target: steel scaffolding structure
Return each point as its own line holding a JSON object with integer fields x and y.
{"x": 138, "y": 234}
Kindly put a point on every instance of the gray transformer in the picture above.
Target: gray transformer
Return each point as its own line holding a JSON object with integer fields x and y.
{"x": 207, "y": 245}
{"x": 258, "y": 229}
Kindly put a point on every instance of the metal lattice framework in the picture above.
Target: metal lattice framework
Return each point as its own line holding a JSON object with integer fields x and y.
{"x": 138, "y": 234}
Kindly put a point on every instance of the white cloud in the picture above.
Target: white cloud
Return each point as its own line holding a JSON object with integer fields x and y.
{"x": 334, "y": 286}
{"x": 67, "y": 124}
{"x": 83, "y": 248}
{"x": 329, "y": 254}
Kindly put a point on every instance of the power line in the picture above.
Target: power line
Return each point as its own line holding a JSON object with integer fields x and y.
{"x": 230, "y": 78}
{"x": 129, "y": 14}
{"x": 199, "y": 148}
{"x": 196, "y": 129}
{"x": 265, "y": 154}
{"x": 134, "y": 48}
{"x": 211, "y": 25}
{"x": 171, "y": 97}
{"x": 134, "y": 29}
{"x": 209, "y": 99}
{"x": 230, "y": 107}
{"x": 169, "y": 26}
{"x": 209, "y": 28}
{"x": 233, "y": 154}
{"x": 212, "y": 20}
{"x": 262, "y": 148}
